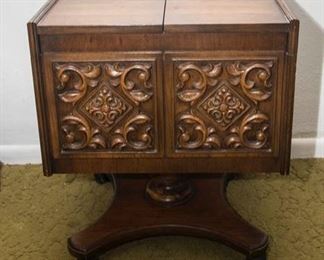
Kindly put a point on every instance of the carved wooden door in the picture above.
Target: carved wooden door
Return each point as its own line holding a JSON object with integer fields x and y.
{"x": 223, "y": 103}
{"x": 104, "y": 104}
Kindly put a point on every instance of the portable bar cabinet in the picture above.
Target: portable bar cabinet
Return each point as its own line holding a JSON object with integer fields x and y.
{"x": 171, "y": 97}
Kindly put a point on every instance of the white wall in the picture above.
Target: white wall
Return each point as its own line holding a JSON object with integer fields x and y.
{"x": 308, "y": 128}
{"x": 18, "y": 124}
{"x": 18, "y": 127}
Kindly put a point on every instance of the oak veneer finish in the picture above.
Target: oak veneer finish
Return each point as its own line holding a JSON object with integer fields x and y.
{"x": 194, "y": 86}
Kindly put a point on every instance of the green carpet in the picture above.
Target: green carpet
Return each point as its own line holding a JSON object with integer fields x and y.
{"x": 38, "y": 214}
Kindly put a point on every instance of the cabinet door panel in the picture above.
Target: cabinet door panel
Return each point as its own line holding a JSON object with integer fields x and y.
{"x": 223, "y": 103}
{"x": 104, "y": 104}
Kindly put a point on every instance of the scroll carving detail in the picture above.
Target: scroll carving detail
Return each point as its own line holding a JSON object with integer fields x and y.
{"x": 193, "y": 133}
{"x": 252, "y": 133}
{"x": 193, "y": 80}
{"x": 253, "y": 79}
{"x": 78, "y": 134}
{"x": 136, "y": 133}
{"x": 78, "y": 78}
{"x": 134, "y": 80}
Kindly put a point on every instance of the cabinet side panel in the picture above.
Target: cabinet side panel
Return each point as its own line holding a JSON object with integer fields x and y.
{"x": 290, "y": 75}
{"x": 39, "y": 97}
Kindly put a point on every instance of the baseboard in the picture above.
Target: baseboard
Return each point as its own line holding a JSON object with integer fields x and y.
{"x": 307, "y": 148}
{"x": 22, "y": 154}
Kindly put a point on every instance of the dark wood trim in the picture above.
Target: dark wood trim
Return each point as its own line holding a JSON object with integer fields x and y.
{"x": 175, "y": 165}
{"x": 91, "y": 42}
{"x": 217, "y": 28}
{"x": 291, "y": 60}
{"x": 293, "y": 38}
{"x": 35, "y": 52}
{"x": 39, "y": 97}
{"x": 52, "y": 30}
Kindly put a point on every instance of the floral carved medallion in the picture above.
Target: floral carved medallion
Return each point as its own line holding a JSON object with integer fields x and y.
{"x": 105, "y": 107}
{"x": 224, "y": 106}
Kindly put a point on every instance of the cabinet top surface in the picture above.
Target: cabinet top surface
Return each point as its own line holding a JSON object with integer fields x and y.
{"x": 197, "y": 12}
{"x": 156, "y": 15}
{"x": 114, "y": 13}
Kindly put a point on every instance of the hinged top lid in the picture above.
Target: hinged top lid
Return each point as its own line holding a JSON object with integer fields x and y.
{"x": 198, "y": 15}
{"x": 151, "y": 16}
{"x": 110, "y": 15}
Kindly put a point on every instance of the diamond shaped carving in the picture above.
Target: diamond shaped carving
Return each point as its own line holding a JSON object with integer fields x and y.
{"x": 224, "y": 106}
{"x": 105, "y": 107}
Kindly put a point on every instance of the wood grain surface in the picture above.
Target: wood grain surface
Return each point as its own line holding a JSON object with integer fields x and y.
{"x": 131, "y": 217}
{"x": 129, "y": 16}
{"x": 193, "y": 12}
{"x": 114, "y": 13}
{"x": 85, "y": 51}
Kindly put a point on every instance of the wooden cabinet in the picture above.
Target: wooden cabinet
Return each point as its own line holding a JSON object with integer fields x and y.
{"x": 170, "y": 88}
{"x": 177, "y": 86}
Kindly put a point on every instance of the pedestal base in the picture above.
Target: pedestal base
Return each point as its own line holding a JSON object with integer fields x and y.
{"x": 132, "y": 216}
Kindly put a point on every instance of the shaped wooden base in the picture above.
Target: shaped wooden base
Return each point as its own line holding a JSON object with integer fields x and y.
{"x": 204, "y": 213}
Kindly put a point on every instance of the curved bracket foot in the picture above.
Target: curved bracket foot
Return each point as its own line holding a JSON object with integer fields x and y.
{"x": 206, "y": 215}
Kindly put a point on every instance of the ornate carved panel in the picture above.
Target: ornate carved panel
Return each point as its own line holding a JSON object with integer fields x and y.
{"x": 223, "y": 104}
{"x": 107, "y": 106}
